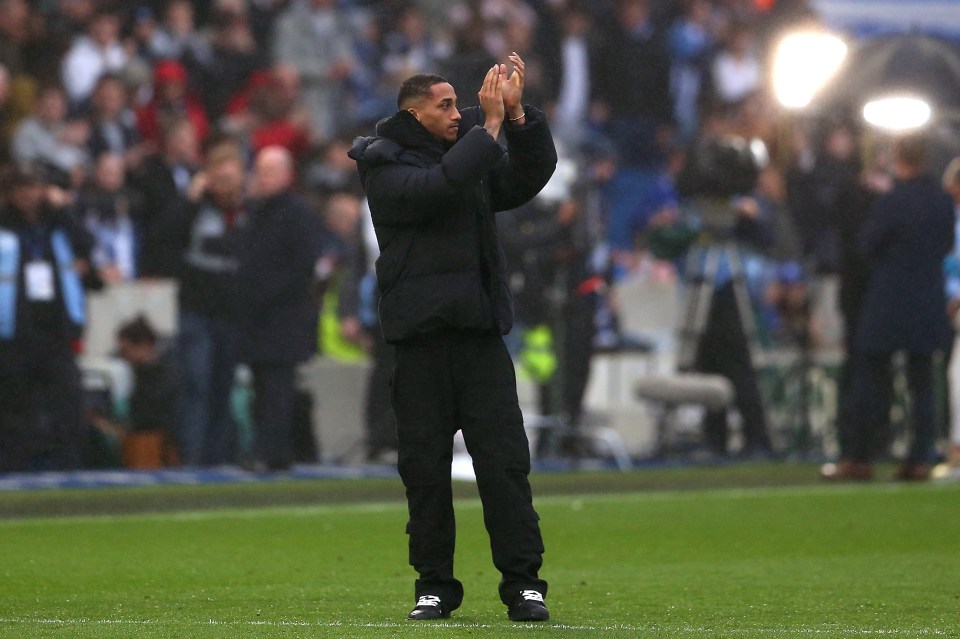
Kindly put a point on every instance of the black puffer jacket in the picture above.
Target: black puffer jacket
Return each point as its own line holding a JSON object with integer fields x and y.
{"x": 441, "y": 265}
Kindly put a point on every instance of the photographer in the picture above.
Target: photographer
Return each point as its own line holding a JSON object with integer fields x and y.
{"x": 43, "y": 256}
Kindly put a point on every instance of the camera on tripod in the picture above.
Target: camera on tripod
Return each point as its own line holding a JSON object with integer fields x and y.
{"x": 718, "y": 170}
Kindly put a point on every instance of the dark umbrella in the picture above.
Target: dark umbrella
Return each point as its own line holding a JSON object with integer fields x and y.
{"x": 914, "y": 63}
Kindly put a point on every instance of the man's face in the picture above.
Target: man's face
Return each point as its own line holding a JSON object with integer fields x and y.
{"x": 134, "y": 353}
{"x": 226, "y": 181}
{"x": 110, "y": 98}
{"x": 271, "y": 175}
{"x": 110, "y": 172}
{"x": 182, "y": 144}
{"x": 53, "y": 106}
{"x": 438, "y": 113}
{"x": 104, "y": 30}
{"x": 27, "y": 198}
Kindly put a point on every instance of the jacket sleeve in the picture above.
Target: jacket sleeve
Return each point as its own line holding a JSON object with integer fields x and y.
{"x": 531, "y": 160}
{"x": 878, "y": 228}
{"x": 402, "y": 194}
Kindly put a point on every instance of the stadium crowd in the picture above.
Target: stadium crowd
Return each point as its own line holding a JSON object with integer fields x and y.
{"x": 155, "y": 138}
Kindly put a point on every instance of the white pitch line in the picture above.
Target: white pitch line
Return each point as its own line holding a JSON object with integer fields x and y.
{"x": 846, "y": 632}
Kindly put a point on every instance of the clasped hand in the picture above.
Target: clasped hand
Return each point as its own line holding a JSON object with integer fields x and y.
{"x": 501, "y": 96}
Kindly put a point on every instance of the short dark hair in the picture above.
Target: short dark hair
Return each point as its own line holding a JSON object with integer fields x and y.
{"x": 138, "y": 331}
{"x": 911, "y": 150}
{"x": 417, "y": 87}
{"x": 23, "y": 175}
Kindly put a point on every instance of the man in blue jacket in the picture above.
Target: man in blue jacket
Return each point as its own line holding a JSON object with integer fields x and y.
{"x": 434, "y": 176}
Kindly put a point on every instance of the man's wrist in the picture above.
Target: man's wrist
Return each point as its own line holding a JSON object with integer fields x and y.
{"x": 516, "y": 116}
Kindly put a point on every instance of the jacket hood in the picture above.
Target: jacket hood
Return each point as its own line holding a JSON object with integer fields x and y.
{"x": 401, "y": 132}
{"x": 394, "y": 135}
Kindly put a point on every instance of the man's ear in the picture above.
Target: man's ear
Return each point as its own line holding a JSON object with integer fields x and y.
{"x": 414, "y": 113}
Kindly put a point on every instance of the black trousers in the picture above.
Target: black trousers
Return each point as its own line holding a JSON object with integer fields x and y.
{"x": 863, "y": 421}
{"x": 577, "y": 327}
{"x": 41, "y": 407}
{"x": 870, "y": 383}
{"x": 723, "y": 350}
{"x": 451, "y": 381}
{"x": 274, "y": 404}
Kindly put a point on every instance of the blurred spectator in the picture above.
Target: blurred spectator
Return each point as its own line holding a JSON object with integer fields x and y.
{"x": 279, "y": 319}
{"x": 410, "y": 48}
{"x": 275, "y": 116}
{"x": 177, "y": 38}
{"x": 59, "y": 24}
{"x": 567, "y": 70}
{"x": 72, "y": 16}
{"x": 111, "y": 212}
{"x": 233, "y": 58}
{"x": 368, "y": 95}
{"x": 164, "y": 178}
{"x": 691, "y": 47}
{"x": 49, "y": 139}
{"x": 92, "y": 55}
{"x": 14, "y": 17}
{"x": 657, "y": 200}
{"x": 836, "y": 171}
{"x": 906, "y": 237}
{"x": 171, "y": 100}
{"x": 845, "y": 193}
{"x": 736, "y": 70}
{"x": 146, "y": 434}
{"x": 113, "y": 123}
{"x": 632, "y": 85}
{"x": 207, "y": 233}
{"x": 360, "y": 321}
{"x": 263, "y": 14}
{"x": 19, "y": 87}
{"x": 468, "y": 60}
{"x": 781, "y": 274}
{"x": 42, "y": 259}
{"x": 951, "y": 184}
{"x": 341, "y": 335}
{"x": 313, "y": 37}
{"x": 548, "y": 245}
{"x": 331, "y": 170}
{"x": 143, "y": 25}
{"x": 4, "y": 111}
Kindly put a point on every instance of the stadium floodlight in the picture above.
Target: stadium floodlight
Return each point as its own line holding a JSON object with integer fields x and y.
{"x": 803, "y": 63}
{"x": 898, "y": 113}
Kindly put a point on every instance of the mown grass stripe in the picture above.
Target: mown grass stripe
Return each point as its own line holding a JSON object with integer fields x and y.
{"x": 690, "y": 630}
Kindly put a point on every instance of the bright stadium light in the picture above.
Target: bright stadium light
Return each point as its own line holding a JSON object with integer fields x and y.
{"x": 803, "y": 63}
{"x": 898, "y": 113}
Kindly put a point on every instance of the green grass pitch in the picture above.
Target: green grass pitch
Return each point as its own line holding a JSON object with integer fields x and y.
{"x": 879, "y": 560}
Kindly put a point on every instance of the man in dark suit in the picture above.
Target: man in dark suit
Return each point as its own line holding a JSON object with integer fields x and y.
{"x": 906, "y": 237}
{"x": 275, "y": 284}
{"x": 435, "y": 175}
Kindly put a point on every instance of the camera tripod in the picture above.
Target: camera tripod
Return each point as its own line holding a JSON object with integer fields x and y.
{"x": 702, "y": 289}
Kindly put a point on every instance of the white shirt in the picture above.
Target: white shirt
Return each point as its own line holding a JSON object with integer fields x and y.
{"x": 575, "y": 83}
{"x": 735, "y": 78}
{"x": 85, "y": 62}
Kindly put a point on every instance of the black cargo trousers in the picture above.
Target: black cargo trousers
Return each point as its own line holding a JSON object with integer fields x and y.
{"x": 464, "y": 380}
